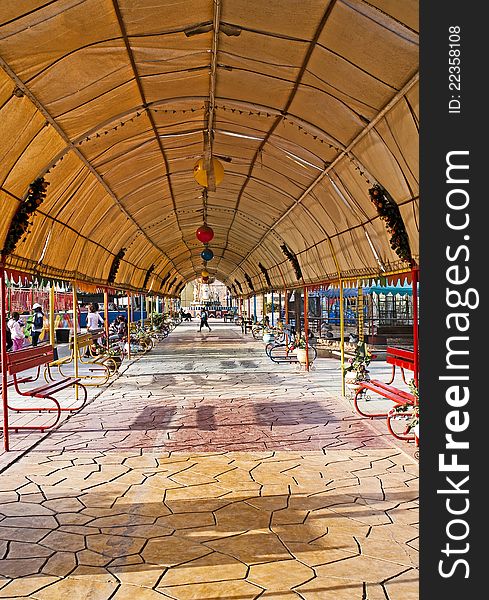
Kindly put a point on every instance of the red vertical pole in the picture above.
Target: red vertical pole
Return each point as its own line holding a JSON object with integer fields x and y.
{"x": 129, "y": 302}
{"x": 106, "y": 316}
{"x": 306, "y": 325}
{"x": 415, "y": 276}
{"x": 3, "y": 343}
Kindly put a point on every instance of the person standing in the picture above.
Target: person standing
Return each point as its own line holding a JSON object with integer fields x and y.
{"x": 94, "y": 322}
{"x": 203, "y": 320}
{"x": 37, "y": 323}
{"x": 94, "y": 319}
{"x": 16, "y": 331}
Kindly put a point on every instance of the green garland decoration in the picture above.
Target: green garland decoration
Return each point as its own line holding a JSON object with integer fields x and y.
{"x": 265, "y": 273}
{"x": 249, "y": 282}
{"x": 388, "y": 211}
{"x": 148, "y": 275}
{"x": 293, "y": 260}
{"x": 115, "y": 265}
{"x": 22, "y": 219}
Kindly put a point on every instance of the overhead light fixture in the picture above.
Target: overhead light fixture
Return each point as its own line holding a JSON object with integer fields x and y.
{"x": 229, "y": 30}
{"x": 198, "y": 29}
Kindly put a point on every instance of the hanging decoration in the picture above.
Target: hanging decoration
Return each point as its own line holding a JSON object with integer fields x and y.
{"x": 115, "y": 265}
{"x": 205, "y": 273}
{"x": 200, "y": 174}
{"x": 148, "y": 275}
{"x": 249, "y": 282}
{"x": 293, "y": 259}
{"x": 265, "y": 273}
{"x": 204, "y": 233}
{"x": 235, "y": 291}
{"x": 240, "y": 287}
{"x": 388, "y": 211}
{"x": 207, "y": 254}
{"x": 22, "y": 219}
{"x": 165, "y": 279}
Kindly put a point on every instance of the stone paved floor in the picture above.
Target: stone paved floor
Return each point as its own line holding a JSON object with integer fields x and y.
{"x": 205, "y": 472}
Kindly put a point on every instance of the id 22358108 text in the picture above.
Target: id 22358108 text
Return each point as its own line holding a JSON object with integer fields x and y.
{"x": 454, "y": 70}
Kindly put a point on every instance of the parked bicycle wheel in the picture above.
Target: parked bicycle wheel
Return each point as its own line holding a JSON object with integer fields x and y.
{"x": 257, "y": 332}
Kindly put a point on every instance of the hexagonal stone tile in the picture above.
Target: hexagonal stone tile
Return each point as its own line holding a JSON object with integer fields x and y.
{"x": 172, "y": 550}
{"x": 114, "y": 545}
{"x": 79, "y": 588}
{"x": 280, "y": 575}
{"x": 213, "y": 591}
{"x": 62, "y": 541}
{"x": 212, "y": 567}
{"x": 60, "y": 564}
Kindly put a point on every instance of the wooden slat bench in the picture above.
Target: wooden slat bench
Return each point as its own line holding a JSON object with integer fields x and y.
{"x": 99, "y": 366}
{"x": 35, "y": 358}
{"x": 397, "y": 358}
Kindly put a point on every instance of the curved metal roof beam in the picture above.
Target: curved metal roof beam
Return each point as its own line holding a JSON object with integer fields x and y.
{"x": 350, "y": 147}
{"x": 71, "y": 146}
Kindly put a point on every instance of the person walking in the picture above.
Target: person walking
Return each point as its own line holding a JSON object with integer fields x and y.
{"x": 37, "y": 323}
{"x": 16, "y": 331}
{"x": 203, "y": 320}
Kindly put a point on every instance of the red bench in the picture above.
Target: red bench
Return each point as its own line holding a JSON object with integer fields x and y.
{"x": 35, "y": 358}
{"x": 404, "y": 360}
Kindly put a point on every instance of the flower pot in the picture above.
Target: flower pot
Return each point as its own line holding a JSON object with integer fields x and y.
{"x": 268, "y": 337}
{"x": 351, "y": 380}
{"x": 301, "y": 355}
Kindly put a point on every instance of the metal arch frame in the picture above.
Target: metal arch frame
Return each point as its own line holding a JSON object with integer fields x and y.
{"x": 72, "y": 146}
{"x": 137, "y": 79}
{"x": 330, "y": 167}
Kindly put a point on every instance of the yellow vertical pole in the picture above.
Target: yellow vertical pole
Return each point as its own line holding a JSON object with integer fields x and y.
{"x": 342, "y": 338}
{"x": 52, "y": 337}
{"x": 75, "y": 334}
{"x": 128, "y": 325}
{"x": 361, "y": 336}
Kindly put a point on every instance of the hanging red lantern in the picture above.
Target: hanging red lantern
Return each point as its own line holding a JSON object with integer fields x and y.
{"x": 204, "y": 234}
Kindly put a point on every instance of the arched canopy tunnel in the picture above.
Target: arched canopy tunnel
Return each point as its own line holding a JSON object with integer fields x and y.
{"x": 306, "y": 104}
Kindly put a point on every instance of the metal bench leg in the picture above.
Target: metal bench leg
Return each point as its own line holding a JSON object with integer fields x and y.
{"x": 360, "y": 394}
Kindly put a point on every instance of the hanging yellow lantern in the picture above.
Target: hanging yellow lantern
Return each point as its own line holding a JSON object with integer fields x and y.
{"x": 205, "y": 273}
{"x": 200, "y": 174}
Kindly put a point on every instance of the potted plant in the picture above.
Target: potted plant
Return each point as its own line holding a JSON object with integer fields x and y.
{"x": 355, "y": 370}
{"x": 157, "y": 320}
{"x": 300, "y": 348}
{"x": 412, "y": 410}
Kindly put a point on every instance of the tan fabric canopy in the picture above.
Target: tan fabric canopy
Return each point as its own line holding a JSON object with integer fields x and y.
{"x": 306, "y": 103}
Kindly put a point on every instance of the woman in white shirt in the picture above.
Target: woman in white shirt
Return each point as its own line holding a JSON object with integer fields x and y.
{"x": 16, "y": 331}
{"x": 94, "y": 319}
